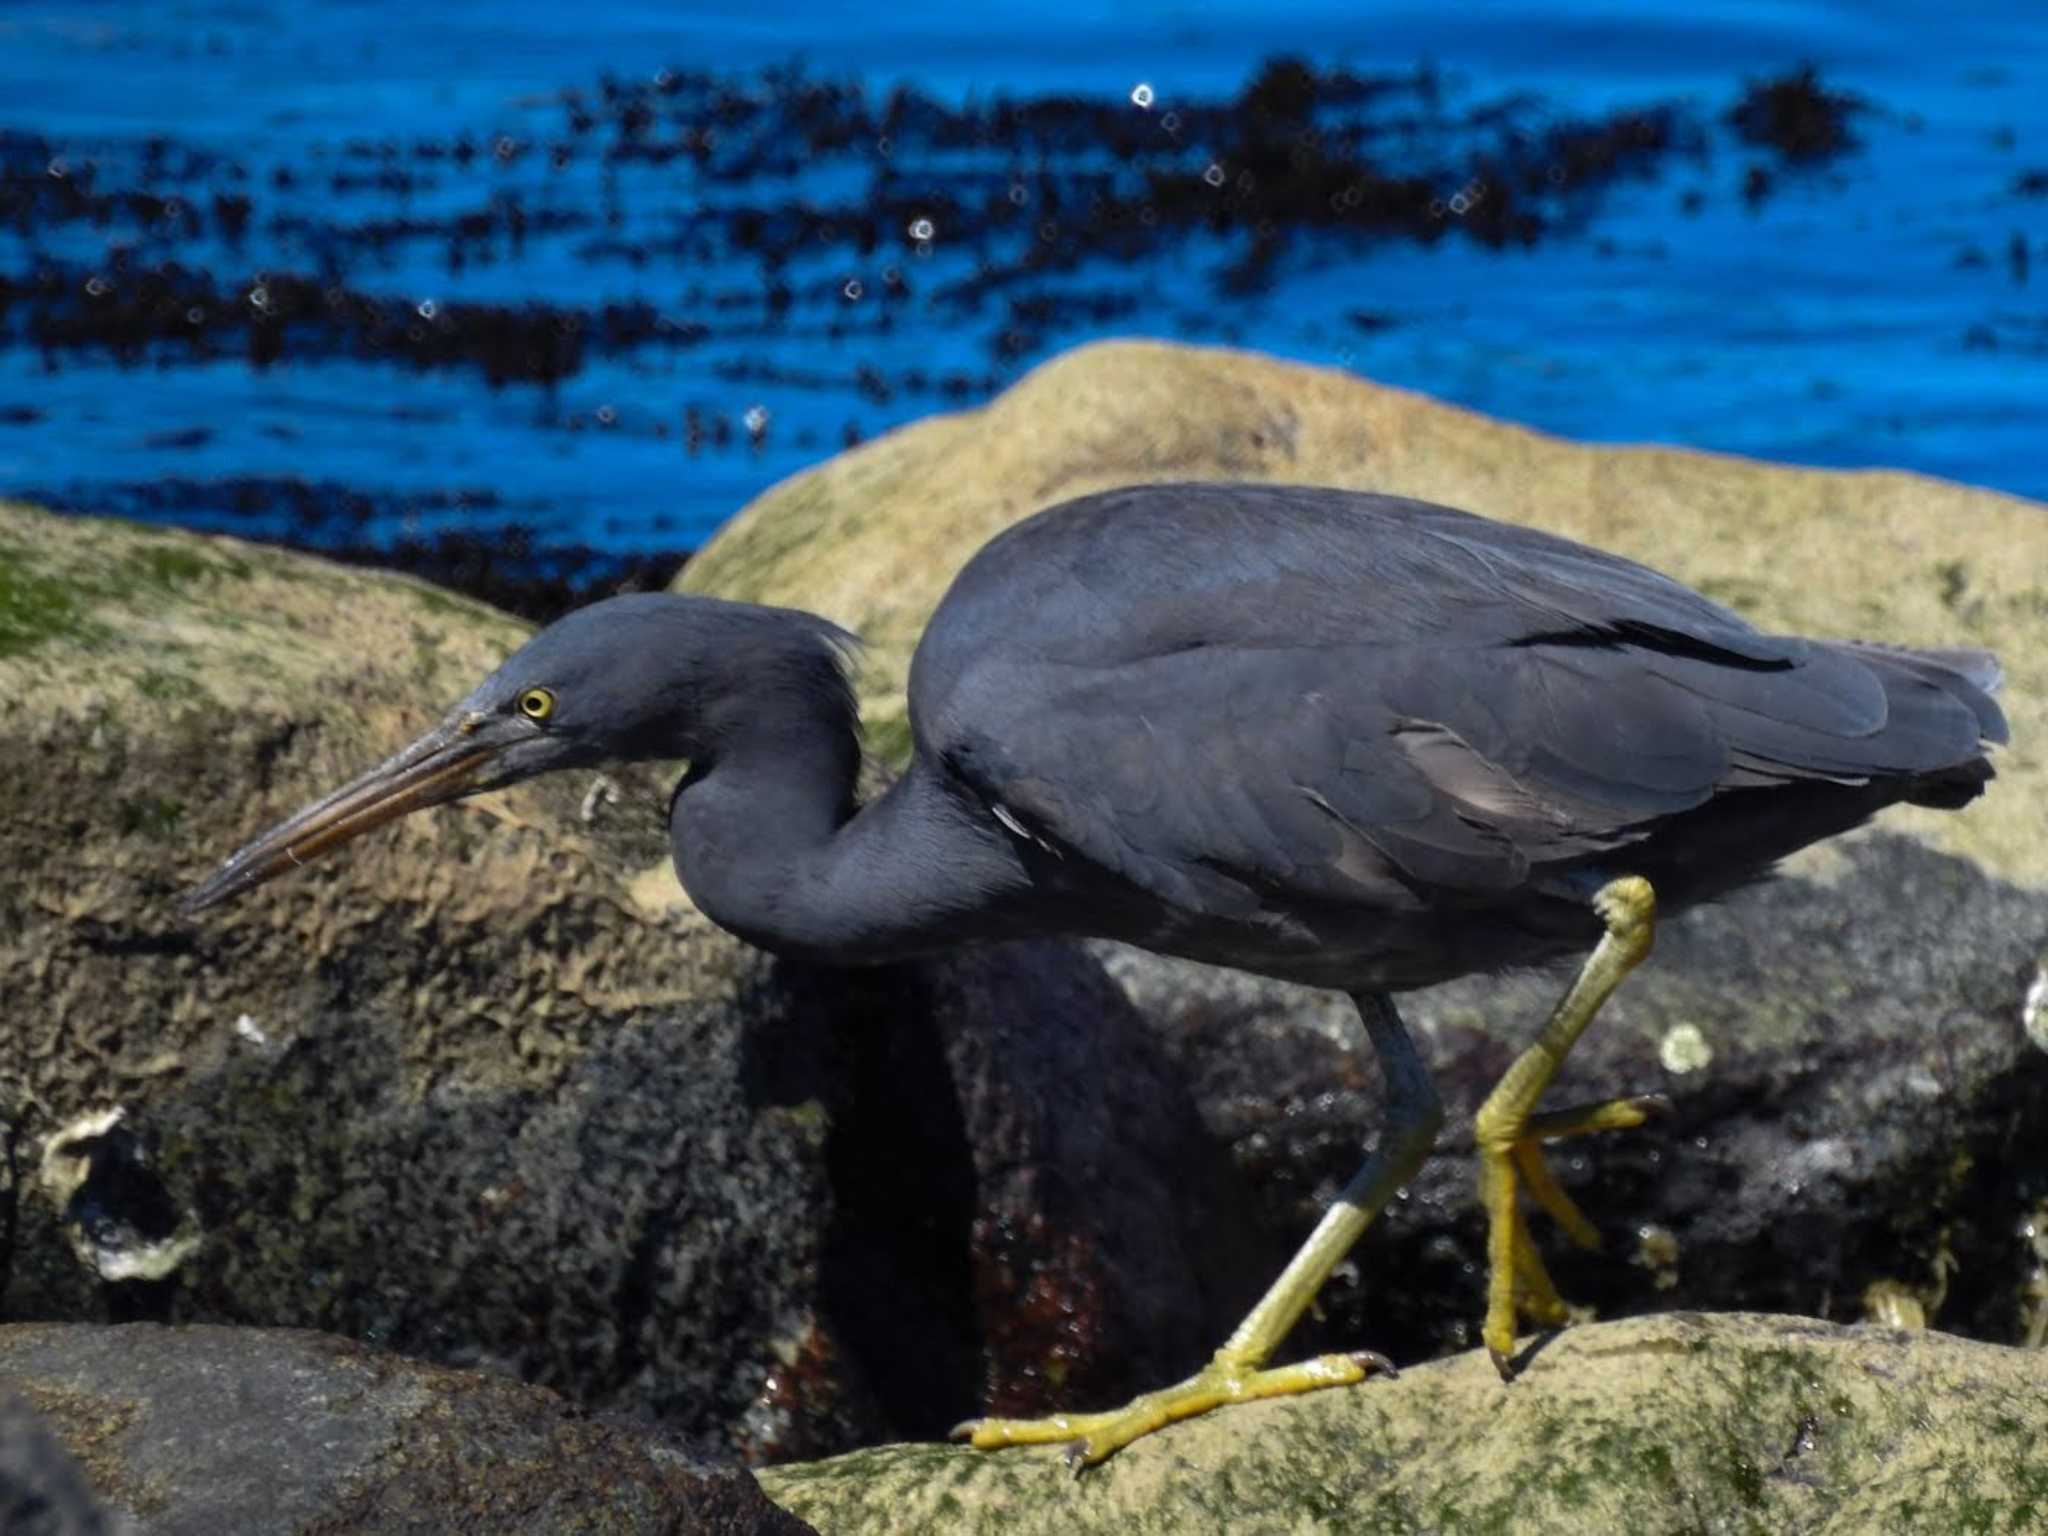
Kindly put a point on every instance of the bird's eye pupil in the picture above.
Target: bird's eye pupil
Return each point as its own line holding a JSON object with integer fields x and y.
{"x": 536, "y": 703}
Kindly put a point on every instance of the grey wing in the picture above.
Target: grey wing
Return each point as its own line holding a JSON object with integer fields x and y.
{"x": 1400, "y": 777}
{"x": 1223, "y": 692}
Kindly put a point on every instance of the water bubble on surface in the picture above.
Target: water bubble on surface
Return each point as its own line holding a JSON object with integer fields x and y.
{"x": 1215, "y": 175}
{"x": 922, "y": 229}
{"x": 853, "y": 289}
{"x": 1141, "y": 96}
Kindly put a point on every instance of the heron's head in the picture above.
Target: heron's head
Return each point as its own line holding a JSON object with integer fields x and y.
{"x": 645, "y": 676}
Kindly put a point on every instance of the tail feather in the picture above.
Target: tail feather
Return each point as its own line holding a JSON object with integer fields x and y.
{"x": 1979, "y": 671}
{"x": 1923, "y": 689}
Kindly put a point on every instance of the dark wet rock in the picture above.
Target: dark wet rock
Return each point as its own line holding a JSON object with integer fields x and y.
{"x": 1854, "y": 1100}
{"x": 1105, "y": 1242}
{"x": 487, "y": 1093}
{"x": 190, "y": 1430}
{"x": 42, "y": 1492}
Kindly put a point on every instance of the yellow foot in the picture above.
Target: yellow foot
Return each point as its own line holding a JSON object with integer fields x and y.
{"x": 1510, "y": 1133}
{"x": 1089, "y": 1437}
{"x": 1557, "y": 1125}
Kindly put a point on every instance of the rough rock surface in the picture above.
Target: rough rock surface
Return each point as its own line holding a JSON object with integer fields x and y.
{"x": 1664, "y": 1426}
{"x": 1858, "y": 1055}
{"x": 208, "y": 1430}
{"x": 42, "y": 1491}
{"x": 483, "y": 1090}
{"x": 1855, "y": 1101}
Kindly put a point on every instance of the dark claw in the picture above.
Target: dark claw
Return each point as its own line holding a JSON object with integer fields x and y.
{"x": 964, "y": 1430}
{"x": 1076, "y": 1455}
{"x": 1375, "y": 1363}
{"x": 1503, "y": 1363}
{"x": 1654, "y": 1104}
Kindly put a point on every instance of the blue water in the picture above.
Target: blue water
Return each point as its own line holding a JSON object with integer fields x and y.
{"x": 1886, "y": 306}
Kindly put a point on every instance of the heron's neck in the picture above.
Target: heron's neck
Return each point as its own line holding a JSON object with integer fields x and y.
{"x": 771, "y": 844}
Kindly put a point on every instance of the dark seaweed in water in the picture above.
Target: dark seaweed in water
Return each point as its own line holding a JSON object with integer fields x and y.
{"x": 1796, "y": 117}
{"x": 864, "y": 217}
{"x": 1036, "y": 188}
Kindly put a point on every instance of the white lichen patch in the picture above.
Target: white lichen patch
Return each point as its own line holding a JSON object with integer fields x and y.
{"x": 1684, "y": 1049}
{"x": 106, "y": 1241}
{"x": 602, "y": 792}
{"x": 67, "y": 1154}
{"x": 1657, "y": 1251}
{"x": 2034, "y": 1008}
{"x": 1894, "y": 1304}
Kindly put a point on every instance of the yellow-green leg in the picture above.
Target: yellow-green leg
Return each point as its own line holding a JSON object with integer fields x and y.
{"x": 1237, "y": 1372}
{"x": 1510, "y": 1133}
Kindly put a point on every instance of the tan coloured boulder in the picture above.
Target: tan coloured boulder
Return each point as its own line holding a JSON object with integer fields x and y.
{"x": 871, "y": 537}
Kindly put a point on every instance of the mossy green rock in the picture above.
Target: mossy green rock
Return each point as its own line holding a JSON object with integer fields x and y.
{"x": 1682, "y": 1425}
{"x": 394, "y": 1095}
{"x": 483, "y": 1087}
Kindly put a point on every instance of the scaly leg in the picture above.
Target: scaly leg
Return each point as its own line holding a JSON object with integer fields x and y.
{"x": 1508, "y": 1130}
{"x": 1237, "y": 1372}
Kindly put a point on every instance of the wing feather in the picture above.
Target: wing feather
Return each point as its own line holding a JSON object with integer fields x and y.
{"x": 1228, "y": 694}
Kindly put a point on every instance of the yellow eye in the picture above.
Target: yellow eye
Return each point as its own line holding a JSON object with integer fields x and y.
{"x": 537, "y": 703}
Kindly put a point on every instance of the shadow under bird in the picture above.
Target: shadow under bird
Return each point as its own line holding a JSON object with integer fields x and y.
{"x": 1345, "y": 739}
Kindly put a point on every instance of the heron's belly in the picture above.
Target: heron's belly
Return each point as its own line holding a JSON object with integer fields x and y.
{"x": 1361, "y": 950}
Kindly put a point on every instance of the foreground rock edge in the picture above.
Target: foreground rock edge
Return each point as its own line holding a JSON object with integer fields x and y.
{"x": 1681, "y": 1422}
{"x": 276, "y": 1430}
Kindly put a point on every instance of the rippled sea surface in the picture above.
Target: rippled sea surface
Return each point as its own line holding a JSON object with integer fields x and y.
{"x": 570, "y": 284}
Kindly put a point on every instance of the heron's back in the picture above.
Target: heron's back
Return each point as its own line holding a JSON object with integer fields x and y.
{"x": 1295, "y": 729}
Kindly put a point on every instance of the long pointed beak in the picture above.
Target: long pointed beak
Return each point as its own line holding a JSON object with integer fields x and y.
{"x": 442, "y": 765}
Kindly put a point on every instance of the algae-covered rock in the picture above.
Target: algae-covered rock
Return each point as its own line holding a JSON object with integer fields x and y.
{"x": 267, "y": 1433}
{"x": 1669, "y": 1426}
{"x": 483, "y": 1089}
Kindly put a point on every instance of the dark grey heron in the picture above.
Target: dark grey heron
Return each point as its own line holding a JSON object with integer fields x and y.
{"x": 1350, "y": 740}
